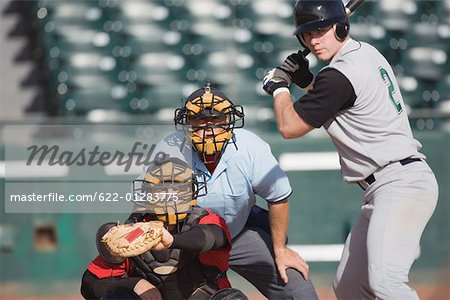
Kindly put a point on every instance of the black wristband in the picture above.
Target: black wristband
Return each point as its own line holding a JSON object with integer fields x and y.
{"x": 271, "y": 86}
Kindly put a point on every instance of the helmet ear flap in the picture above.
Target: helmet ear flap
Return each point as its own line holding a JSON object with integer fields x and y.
{"x": 301, "y": 40}
{"x": 341, "y": 31}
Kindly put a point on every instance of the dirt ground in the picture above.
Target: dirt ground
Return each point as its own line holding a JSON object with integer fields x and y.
{"x": 425, "y": 293}
{"x": 435, "y": 291}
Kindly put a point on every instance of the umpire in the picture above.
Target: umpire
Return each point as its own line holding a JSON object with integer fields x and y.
{"x": 356, "y": 99}
{"x": 239, "y": 166}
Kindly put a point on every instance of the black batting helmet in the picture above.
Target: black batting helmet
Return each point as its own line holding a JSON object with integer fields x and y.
{"x": 315, "y": 14}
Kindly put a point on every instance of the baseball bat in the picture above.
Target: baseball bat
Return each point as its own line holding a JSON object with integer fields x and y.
{"x": 351, "y": 6}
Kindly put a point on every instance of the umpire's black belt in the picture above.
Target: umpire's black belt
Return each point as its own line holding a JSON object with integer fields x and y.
{"x": 364, "y": 184}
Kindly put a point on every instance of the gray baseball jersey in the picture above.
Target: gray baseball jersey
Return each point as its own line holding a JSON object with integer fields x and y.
{"x": 357, "y": 100}
{"x": 375, "y": 130}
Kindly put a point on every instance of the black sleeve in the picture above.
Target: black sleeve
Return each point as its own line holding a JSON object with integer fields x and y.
{"x": 331, "y": 93}
{"x": 94, "y": 288}
{"x": 201, "y": 238}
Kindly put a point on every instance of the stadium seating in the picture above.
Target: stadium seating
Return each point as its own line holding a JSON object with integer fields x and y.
{"x": 417, "y": 93}
{"x": 443, "y": 89}
{"x": 395, "y": 15}
{"x": 443, "y": 11}
{"x": 139, "y": 56}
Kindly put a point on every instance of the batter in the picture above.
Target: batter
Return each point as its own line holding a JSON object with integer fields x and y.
{"x": 356, "y": 99}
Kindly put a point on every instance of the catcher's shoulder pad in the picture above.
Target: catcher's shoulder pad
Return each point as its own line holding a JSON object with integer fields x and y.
{"x": 195, "y": 214}
{"x": 136, "y": 217}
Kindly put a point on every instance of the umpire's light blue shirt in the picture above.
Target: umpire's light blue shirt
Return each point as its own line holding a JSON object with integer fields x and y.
{"x": 240, "y": 175}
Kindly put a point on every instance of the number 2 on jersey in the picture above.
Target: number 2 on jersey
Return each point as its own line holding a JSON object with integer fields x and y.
{"x": 391, "y": 89}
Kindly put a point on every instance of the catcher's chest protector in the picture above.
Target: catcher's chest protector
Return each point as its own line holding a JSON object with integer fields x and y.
{"x": 176, "y": 273}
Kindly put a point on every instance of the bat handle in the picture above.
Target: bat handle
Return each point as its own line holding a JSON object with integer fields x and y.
{"x": 305, "y": 52}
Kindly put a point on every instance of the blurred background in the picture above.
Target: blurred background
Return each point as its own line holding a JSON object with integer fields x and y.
{"x": 122, "y": 62}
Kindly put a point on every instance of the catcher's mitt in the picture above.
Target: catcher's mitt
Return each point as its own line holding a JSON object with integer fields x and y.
{"x": 128, "y": 240}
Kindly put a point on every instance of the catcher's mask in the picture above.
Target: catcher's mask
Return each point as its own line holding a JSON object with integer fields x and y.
{"x": 208, "y": 117}
{"x": 316, "y": 14}
{"x": 169, "y": 189}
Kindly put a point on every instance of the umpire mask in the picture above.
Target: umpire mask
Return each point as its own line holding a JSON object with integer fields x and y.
{"x": 208, "y": 117}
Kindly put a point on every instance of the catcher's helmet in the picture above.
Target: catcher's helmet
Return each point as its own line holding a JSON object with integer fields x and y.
{"x": 169, "y": 189}
{"x": 315, "y": 14}
{"x": 209, "y": 103}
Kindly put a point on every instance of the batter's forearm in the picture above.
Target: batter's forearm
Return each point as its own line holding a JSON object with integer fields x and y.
{"x": 289, "y": 123}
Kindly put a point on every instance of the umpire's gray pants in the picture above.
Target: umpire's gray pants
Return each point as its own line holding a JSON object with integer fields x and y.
{"x": 252, "y": 258}
{"x": 384, "y": 241}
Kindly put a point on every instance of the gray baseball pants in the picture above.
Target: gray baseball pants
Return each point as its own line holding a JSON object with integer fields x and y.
{"x": 384, "y": 241}
{"x": 252, "y": 257}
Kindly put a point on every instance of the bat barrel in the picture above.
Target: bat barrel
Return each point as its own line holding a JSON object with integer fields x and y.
{"x": 352, "y": 6}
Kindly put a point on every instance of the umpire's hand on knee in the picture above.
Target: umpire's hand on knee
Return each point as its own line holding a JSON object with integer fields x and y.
{"x": 287, "y": 258}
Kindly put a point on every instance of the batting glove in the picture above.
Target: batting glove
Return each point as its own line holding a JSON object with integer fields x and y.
{"x": 297, "y": 67}
{"x": 275, "y": 79}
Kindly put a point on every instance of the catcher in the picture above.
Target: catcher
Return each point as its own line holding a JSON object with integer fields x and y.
{"x": 181, "y": 253}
